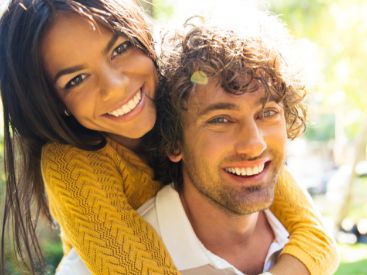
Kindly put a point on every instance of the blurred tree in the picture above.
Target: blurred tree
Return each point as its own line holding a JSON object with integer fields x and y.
{"x": 339, "y": 29}
{"x": 162, "y": 10}
{"x": 147, "y": 5}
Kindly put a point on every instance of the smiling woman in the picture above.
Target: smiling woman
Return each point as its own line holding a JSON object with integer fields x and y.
{"x": 105, "y": 81}
{"x": 78, "y": 97}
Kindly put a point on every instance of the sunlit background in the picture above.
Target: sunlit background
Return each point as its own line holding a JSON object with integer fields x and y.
{"x": 330, "y": 160}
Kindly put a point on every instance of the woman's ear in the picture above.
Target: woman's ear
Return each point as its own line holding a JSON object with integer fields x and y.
{"x": 175, "y": 156}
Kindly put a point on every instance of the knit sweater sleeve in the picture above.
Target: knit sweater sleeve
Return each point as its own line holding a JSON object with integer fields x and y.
{"x": 308, "y": 242}
{"x": 88, "y": 200}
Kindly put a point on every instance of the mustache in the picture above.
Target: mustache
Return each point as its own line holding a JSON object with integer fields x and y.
{"x": 274, "y": 154}
{"x": 245, "y": 157}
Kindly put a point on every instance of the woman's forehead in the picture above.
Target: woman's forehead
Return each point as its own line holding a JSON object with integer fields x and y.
{"x": 72, "y": 35}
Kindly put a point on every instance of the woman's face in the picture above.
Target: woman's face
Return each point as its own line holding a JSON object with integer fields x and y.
{"x": 106, "y": 83}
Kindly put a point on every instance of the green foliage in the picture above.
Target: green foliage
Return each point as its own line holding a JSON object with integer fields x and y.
{"x": 339, "y": 30}
{"x": 53, "y": 253}
{"x": 321, "y": 130}
{"x": 301, "y": 16}
{"x": 353, "y": 129}
{"x": 358, "y": 209}
{"x": 353, "y": 260}
{"x": 162, "y": 10}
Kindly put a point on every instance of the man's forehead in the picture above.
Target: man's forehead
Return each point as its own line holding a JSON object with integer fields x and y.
{"x": 205, "y": 92}
{"x": 212, "y": 93}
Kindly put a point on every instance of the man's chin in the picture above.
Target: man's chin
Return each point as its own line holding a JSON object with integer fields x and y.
{"x": 252, "y": 208}
{"x": 254, "y": 202}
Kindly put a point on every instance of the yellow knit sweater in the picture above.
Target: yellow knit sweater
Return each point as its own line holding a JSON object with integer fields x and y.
{"x": 92, "y": 196}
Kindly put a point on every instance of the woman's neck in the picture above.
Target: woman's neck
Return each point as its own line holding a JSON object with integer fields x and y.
{"x": 130, "y": 143}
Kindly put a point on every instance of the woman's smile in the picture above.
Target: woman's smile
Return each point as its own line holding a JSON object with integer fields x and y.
{"x": 128, "y": 106}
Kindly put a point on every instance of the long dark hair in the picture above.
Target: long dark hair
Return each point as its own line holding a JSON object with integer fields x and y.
{"x": 33, "y": 113}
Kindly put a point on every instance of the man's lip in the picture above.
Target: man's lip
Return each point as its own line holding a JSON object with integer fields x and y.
{"x": 250, "y": 180}
{"x": 247, "y": 163}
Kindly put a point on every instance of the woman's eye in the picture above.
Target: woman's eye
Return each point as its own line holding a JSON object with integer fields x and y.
{"x": 219, "y": 120}
{"x": 76, "y": 81}
{"x": 120, "y": 49}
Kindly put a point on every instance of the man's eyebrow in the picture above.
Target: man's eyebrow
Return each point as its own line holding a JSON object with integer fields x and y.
{"x": 264, "y": 100}
{"x": 231, "y": 106}
{"x": 219, "y": 106}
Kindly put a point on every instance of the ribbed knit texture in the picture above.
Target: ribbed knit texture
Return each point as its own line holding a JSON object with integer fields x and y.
{"x": 308, "y": 241}
{"x": 92, "y": 196}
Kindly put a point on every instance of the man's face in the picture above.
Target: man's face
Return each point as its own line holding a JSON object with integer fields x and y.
{"x": 233, "y": 148}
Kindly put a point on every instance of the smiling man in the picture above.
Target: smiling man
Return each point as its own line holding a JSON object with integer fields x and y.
{"x": 225, "y": 116}
{"x": 231, "y": 153}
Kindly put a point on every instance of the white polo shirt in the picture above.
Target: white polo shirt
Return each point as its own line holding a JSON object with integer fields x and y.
{"x": 166, "y": 214}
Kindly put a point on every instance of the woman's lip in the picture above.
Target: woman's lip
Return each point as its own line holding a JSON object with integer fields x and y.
{"x": 131, "y": 114}
{"x": 126, "y": 100}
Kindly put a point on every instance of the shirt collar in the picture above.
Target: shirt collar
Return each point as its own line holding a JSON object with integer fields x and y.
{"x": 177, "y": 232}
{"x": 185, "y": 248}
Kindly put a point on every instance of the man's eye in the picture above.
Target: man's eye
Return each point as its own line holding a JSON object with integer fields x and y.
{"x": 219, "y": 120}
{"x": 269, "y": 113}
{"x": 76, "y": 81}
{"x": 120, "y": 49}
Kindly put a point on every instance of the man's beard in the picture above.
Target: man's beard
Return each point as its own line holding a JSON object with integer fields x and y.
{"x": 240, "y": 200}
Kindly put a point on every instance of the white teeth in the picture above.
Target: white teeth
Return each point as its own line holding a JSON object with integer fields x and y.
{"x": 250, "y": 171}
{"x": 128, "y": 107}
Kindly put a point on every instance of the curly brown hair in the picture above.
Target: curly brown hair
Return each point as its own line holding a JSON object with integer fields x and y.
{"x": 239, "y": 63}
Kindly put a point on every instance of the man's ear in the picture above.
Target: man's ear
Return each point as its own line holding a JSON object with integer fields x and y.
{"x": 175, "y": 156}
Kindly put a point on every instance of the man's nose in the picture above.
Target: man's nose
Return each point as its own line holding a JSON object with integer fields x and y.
{"x": 112, "y": 83}
{"x": 251, "y": 142}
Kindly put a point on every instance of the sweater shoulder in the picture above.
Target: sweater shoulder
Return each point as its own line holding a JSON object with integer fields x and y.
{"x": 54, "y": 152}
{"x": 68, "y": 165}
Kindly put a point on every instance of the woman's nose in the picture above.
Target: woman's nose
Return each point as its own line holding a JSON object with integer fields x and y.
{"x": 112, "y": 83}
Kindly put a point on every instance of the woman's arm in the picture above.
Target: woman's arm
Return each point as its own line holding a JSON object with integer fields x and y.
{"x": 309, "y": 243}
{"x": 289, "y": 265}
{"x": 87, "y": 199}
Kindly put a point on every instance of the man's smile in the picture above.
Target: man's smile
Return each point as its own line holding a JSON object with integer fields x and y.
{"x": 249, "y": 171}
{"x": 249, "y": 175}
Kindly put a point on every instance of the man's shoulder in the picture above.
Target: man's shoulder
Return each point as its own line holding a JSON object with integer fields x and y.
{"x": 149, "y": 213}
{"x": 280, "y": 232}
{"x": 149, "y": 209}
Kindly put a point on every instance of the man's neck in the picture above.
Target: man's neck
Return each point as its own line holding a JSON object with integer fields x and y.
{"x": 242, "y": 240}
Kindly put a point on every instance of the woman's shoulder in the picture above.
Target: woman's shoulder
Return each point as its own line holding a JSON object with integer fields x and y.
{"x": 112, "y": 162}
{"x": 66, "y": 152}
{"x": 57, "y": 150}
{"x": 59, "y": 158}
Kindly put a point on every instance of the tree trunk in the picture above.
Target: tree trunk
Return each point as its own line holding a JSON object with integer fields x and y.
{"x": 359, "y": 153}
{"x": 147, "y": 5}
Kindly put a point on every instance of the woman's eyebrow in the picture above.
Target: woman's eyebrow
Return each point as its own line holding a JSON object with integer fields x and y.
{"x": 111, "y": 42}
{"x": 76, "y": 68}
{"x": 66, "y": 71}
